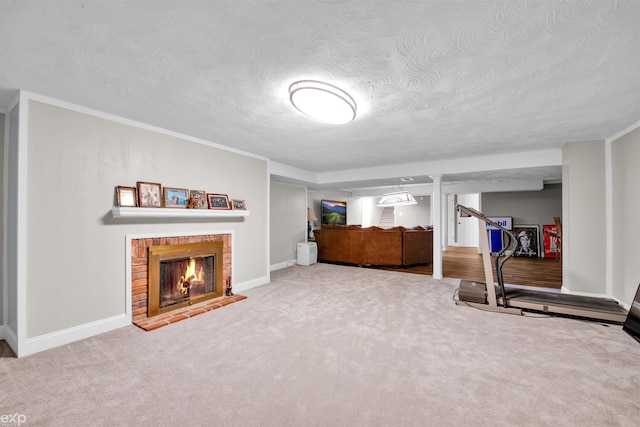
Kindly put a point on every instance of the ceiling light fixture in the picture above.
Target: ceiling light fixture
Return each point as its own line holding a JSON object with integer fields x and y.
{"x": 322, "y": 101}
{"x": 399, "y": 198}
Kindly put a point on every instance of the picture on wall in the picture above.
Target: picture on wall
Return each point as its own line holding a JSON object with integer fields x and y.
{"x": 550, "y": 239}
{"x": 334, "y": 212}
{"x": 527, "y": 240}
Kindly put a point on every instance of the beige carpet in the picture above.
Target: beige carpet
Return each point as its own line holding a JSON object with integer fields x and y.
{"x": 331, "y": 345}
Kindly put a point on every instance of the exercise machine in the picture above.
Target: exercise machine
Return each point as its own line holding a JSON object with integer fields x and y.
{"x": 499, "y": 298}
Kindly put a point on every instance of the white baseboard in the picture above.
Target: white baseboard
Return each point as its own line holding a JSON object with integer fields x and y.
{"x": 77, "y": 333}
{"x": 623, "y": 304}
{"x": 282, "y": 265}
{"x": 565, "y": 290}
{"x": 9, "y": 335}
{"x": 239, "y": 288}
{"x": 69, "y": 335}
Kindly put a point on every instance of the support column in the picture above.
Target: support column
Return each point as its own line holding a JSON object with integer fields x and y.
{"x": 436, "y": 197}
{"x": 445, "y": 224}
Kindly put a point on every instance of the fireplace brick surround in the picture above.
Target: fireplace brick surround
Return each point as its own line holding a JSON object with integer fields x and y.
{"x": 140, "y": 284}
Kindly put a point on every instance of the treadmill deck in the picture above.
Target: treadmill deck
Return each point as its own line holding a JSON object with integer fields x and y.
{"x": 573, "y": 305}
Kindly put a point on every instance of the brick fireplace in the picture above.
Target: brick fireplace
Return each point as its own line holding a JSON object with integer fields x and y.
{"x": 141, "y": 275}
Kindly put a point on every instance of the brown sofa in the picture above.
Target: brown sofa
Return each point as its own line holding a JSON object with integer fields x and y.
{"x": 396, "y": 246}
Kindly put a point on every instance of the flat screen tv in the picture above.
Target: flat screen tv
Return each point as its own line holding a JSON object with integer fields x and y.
{"x": 632, "y": 324}
{"x": 334, "y": 212}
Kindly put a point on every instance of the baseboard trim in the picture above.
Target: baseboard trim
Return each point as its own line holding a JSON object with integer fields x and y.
{"x": 239, "y": 288}
{"x": 87, "y": 330}
{"x": 565, "y": 290}
{"x": 69, "y": 335}
{"x": 9, "y": 335}
{"x": 622, "y": 304}
{"x": 282, "y": 265}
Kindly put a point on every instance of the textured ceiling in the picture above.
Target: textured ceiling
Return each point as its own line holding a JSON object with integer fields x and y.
{"x": 433, "y": 80}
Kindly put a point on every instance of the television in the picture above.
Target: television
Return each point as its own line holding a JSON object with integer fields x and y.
{"x": 632, "y": 324}
{"x": 333, "y": 212}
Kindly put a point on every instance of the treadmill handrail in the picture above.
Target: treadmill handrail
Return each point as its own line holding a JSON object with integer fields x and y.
{"x": 510, "y": 245}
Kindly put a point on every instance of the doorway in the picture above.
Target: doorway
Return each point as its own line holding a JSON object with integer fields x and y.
{"x": 463, "y": 231}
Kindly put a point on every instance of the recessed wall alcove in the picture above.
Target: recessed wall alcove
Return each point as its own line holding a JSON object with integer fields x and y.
{"x": 211, "y": 255}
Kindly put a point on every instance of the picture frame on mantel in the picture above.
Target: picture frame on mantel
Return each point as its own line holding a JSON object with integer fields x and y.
{"x": 175, "y": 197}
{"x": 127, "y": 196}
{"x": 238, "y": 205}
{"x": 201, "y": 196}
{"x": 149, "y": 194}
{"x": 218, "y": 201}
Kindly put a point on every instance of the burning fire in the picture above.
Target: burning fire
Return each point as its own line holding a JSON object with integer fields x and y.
{"x": 190, "y": 277}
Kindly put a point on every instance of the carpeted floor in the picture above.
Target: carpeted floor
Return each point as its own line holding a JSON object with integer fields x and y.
{"x": 330, "y": 345}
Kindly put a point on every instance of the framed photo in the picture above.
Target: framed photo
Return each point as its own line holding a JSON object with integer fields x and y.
{"x": 202, "y": 198}
{"x": 175, "y": 197}
{"x": 334, "y": 212}
{"x": 127, "y": 196}
{"x": 149, "y": 194}
{"x": 238, "y": 205}
{"x": 218, "y": 201}
{"x": 527, "y": 240}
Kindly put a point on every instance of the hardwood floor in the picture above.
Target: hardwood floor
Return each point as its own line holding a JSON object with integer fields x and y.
{"x": 466, "y": 263}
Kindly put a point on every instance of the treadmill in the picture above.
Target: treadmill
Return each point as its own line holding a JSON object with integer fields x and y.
{"x": 503, "y": 299}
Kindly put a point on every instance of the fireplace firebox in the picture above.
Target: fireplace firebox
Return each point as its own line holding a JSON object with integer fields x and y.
{"x": 184, "y": 274}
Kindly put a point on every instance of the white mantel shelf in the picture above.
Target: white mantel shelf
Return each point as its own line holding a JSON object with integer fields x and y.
{"x": 119, "y": 212}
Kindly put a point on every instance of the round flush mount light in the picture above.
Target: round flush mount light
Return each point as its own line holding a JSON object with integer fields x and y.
{"x": 322, "y": 101}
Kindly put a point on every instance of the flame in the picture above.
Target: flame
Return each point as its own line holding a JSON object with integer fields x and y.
{"x": 190, "y": 277}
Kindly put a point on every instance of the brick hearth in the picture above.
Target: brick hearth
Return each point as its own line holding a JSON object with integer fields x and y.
{"x": 155, "y": 322}
{"x": 140, "y": 284}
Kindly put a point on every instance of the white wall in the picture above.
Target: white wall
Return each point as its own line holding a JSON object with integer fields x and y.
{"x": 467, "y": 227}
{"x": 314, "y": 198}
{"x": 355, "y": 211}
{"x": 367, "y": 207}
{"x": 625, "y": 158}
{"x": 363, "y": 210}
{"x": 376, "y": 213}
{"x": 13, "y": 222}
{"x": 73, "y": 273}
{"x": 2, "y": 192}
{"x": 584, "y": 218}
{"x": 288, "y": 222}
{"x": 526, "y": 207}
{"x": 412, "y": 215}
